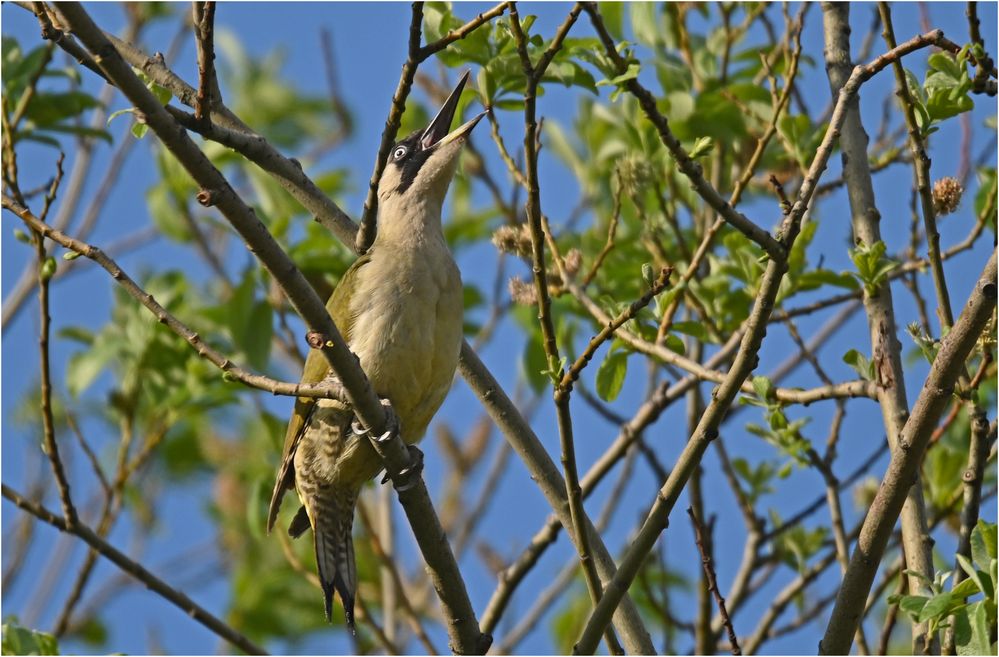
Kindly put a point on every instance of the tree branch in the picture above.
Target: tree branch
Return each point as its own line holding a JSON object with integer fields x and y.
{"x": 709, "y": 571}
{"x": 533, "y": 73}
{"x": 913, "y": 439}
{"x": 885, "y": 347}
{"x": 136, "y": 570}
{"x": 208, "y": 85}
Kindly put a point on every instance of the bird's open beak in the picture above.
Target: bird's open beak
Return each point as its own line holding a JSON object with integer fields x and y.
{"x": 437, "y": 133}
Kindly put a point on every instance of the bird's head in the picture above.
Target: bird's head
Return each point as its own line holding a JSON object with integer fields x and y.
{"x": 420, "y": 167}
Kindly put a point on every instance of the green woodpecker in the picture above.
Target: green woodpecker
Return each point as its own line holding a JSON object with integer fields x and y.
{"x": 399, "y": 307}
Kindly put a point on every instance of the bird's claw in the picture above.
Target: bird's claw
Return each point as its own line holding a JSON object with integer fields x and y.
{"x": 391, "y": 425}
{"x": 409, "y": 475}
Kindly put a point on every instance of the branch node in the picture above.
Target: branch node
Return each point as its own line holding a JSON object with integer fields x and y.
{"x": 208, "y": 197}
{"x": 315, "y": 339}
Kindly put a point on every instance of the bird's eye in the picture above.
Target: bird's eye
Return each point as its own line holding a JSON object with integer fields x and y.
{"x": 400, "y": 153}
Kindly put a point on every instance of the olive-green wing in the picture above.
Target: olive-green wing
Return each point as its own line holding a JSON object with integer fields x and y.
{"x": 315, "y": 371}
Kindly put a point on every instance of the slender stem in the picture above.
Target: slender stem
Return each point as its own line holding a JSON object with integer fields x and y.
{"x": 709, "y": 571}
{"x": 972, "y": 479}
{"x": 49, "y": 445}
{"x": 921, "y": 169}
{"x": 229, "y": 368}
{"x": 533, "y": 74}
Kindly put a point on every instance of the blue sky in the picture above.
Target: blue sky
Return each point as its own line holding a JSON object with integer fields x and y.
{"x": 370, "y": 44}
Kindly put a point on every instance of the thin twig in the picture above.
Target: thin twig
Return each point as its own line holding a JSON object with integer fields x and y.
{"x": 921, "y": 168}
{"x": 416, "y": 56}
{"x": 49, "y": 445}
{"x": 709, "y": 571}
{"x": 208, "y": 87}
{"x": 231, "y": 370}
{"x": 533, "y": 74}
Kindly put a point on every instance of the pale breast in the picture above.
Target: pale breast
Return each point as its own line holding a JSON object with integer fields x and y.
{"x": 407, "y": 330}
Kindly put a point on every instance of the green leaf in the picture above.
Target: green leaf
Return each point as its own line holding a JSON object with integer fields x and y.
{"x": 613, "y": 14}
{"x": 84, "y": 367}
{"x": 702, "y": 147}
{"x": 77, "y": 334}
{"x": 675, "y": 344}
{"x": 611, "y": 374}
{"x": 983, "y": 544}
{"x": 816, "y": 278}
{"x": 630, "y": 74}
{"x": 166, "y": 214}
{"x": 936, "y": 607}
{"x": 872, "y": 265}
{"x": 944, "y": 62}
{"x": 250, "y": 322}
{"x": 39, "y": 138}
{"x": 114, "y": 115}
{"x": 912, "y": 604}
{"x": 49, "y": 108}
{"x": 977, "y": 641}
{"x": 965, "y": 589}
{"x": 257, "y": 339}
{"x": 859, "y": 362}
{"x": 763, "y": 387}
{"x": 19, "y": 640}
{"x": 975, "y": 575}
{"x": 693, "y": 329}
{"x": 644, "y": 23}
{"x": 942, "y": 104}
{"x": 93, "y": 632}
{"x": 19, "y": 69}
{"x": 534, "y": 363}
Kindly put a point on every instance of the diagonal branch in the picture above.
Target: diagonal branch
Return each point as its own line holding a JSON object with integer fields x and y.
{"x": 136, "y": 570}
{"x": 902, "y": 470}
{"x": 229, "y": 369}
{"x": 417, "y": 55}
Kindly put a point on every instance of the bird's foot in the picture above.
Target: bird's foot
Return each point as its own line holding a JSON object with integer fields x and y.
{"x": 407, "y": 476}
{"x": 410, "y": 475}
{"x": 391, "y": 425}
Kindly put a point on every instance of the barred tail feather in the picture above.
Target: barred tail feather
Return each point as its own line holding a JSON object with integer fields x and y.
{"x": 332, "y": 520}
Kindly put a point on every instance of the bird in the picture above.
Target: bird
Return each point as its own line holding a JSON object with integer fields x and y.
{"x": 399, "y": 307}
